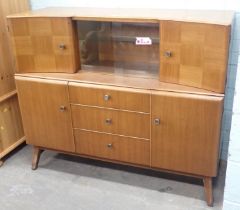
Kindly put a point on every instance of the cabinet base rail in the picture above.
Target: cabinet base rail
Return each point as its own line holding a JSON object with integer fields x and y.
{"x": 207, "y": 181}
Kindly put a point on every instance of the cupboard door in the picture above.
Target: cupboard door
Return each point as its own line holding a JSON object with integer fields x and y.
{"x": 44, "y": 44}
{"x": 194, "y": 54}
{"x": 46, "y": 114}
{"x": 186, "y": 132}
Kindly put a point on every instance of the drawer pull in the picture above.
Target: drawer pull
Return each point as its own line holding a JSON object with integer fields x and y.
{"x": 168, "y": 54}
{"x": 157, "y": 121}
{"x": 62, "y": 46}
{"x": 62, "y": 108}
{"x": 107, "y": 97}
{"x": 109, "y": 146}
{"x": 108, "y": 121}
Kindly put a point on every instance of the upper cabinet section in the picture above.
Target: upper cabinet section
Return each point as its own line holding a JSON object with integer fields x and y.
{"x": 182, "y": 47}
{"x": 194, "y": 54}
{"x": 44, "y": 44}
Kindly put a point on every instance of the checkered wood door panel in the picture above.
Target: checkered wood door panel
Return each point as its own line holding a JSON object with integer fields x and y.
{"x": 198, "y": 54}
{"x": 44, "y": 44}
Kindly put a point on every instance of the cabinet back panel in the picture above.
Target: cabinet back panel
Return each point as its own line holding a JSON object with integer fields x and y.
{"x": 116, "y": 45}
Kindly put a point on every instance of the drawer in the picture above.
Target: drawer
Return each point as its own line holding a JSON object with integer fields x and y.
{"x": 112, "y": 97}
{"x": 111, "y": 121}
{"x": 125, "y": 149}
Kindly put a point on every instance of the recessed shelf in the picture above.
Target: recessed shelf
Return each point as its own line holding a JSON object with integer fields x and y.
{"x": 119, "y": 47}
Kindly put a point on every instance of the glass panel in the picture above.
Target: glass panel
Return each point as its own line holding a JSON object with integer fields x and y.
{"x": 115, "y": 47}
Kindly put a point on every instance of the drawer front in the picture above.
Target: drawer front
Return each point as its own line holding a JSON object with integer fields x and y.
{"x": 112, "y": 97}
{"x": 111, "y": 121}
{"x": 125, "y": 149}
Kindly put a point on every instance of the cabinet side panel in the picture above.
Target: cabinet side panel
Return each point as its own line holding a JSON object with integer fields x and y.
{"x": 10, "y": 123}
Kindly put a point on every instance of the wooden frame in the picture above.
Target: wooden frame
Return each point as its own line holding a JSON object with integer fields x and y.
{"x": 11, "y": 132}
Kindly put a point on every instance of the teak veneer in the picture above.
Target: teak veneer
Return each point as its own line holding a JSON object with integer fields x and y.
{"x": 123, "y": 109}
{"x": 11, "y": 128}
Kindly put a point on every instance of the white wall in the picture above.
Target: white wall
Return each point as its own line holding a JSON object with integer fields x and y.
{"x": 232, "y": 187}
{"x": 173, "y": 4}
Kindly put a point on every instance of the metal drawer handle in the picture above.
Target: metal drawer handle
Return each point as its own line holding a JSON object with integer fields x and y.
{"x": 168, "y": 54}
{"x": 109, "y": 146}
{"x": 62, "y": 46}
{"x": 106, "y": 97}
{"x": 108, "y": 121}
{"x": 62, "y": 108}
{"x": 157, "y": 121}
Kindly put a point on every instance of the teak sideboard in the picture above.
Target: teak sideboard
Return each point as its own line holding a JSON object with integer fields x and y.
{"x": 138, "y": 87}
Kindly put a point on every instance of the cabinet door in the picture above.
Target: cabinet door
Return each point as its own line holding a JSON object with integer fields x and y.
{"x": 46, "y": 114}
{"x": 194, "y": 54}
{"x": 44, "y": 44}
{"x": 185, "y": 132}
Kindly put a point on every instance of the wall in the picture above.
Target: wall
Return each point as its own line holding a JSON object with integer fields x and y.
{"x": 174, "y": 4}
{"x": 232, "y": 185}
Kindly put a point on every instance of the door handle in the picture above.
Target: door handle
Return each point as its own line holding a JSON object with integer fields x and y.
{"x": 157, "y": 121}
{"x": 108, "y": 121}
{"x": 62, "y": 108}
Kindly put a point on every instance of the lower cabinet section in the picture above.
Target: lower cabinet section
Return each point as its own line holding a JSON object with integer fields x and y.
{"x": 180, "y": 133}
{"x": 125, "y": 149}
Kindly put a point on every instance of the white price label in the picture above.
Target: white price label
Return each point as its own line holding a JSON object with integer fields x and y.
{"x": 143, "y": 41}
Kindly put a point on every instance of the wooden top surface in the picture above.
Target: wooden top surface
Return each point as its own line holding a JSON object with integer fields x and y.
{"x": 91, "y": 77}
{"x": 134, "y": 15}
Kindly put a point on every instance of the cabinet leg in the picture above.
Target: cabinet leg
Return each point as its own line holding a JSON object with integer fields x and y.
{"x": 207, "y": 181}
{"x": 1, "y": 163}
{"x": 36, "y": 156}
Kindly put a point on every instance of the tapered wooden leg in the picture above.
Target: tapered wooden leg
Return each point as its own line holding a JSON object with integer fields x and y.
{"x": 207, "y": 181}
{"x": 36, "y": 156}
{"x": 1, "y": 163}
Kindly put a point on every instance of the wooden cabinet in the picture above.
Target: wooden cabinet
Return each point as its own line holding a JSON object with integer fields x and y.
{"x": 185, "y": 132}
{"x": 194, "y": 54}
{"x": 11, "y": 132}
{"x": 46, "y": 113}
{"x": 44, "y": 44}
{"x": 122, "y": 107}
